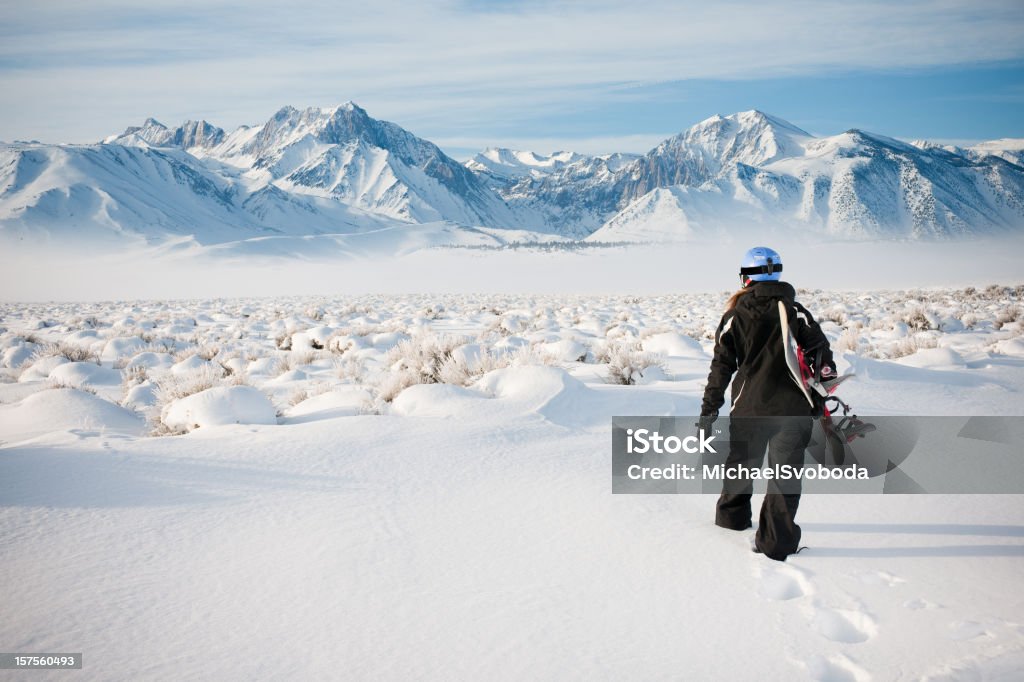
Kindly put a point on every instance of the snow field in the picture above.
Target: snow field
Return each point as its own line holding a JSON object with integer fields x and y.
{"x": 146, "y": 356}
{"x": 391, "y": 487}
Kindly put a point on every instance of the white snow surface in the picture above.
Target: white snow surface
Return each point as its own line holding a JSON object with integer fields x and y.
{"x": 219, "y": 406}
{"x": 466, "y": 529}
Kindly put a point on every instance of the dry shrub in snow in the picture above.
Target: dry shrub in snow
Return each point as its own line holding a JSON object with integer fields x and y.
{"x": 159, "y": 346}
{"x": 917, "y": 320}
{"x": 340, "y": 342}
{"x": 351, "y": 369}
{"x": 283, "y": 341}
{"x": 416, "y": 361}
{"x": 134, "y": 375}
{"x": 462, "y": 371}
{"x": 67, "y": 350}
{"x": 506, "y": 325}
{"x": 208, "y": 351}
{"x": 432, "y": 359}
{"x": 301, "y": 394}
{"x": 205, "y": 352}
{"x": 911, "y": 345}
{"x": 835, "y": 315}
{"x": 57, "y": 383}
{"x": 296, "y": 359}
{"x": 847, "y": 341}
{"x": 1007, "y": 315}
{"x": 627, "y": 362}
{"x": 171, "y": 387}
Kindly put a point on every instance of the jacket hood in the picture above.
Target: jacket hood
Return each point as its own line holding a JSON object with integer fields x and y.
{"x": 774, "y": 290}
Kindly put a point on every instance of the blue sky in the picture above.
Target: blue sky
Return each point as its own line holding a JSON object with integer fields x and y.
{"x": 592, "y": 76}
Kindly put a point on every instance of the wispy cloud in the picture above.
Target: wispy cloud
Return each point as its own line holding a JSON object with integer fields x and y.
{"x": 72, "y": 71}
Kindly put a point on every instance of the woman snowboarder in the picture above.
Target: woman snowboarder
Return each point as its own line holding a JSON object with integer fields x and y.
{"x": 771, "y": 406}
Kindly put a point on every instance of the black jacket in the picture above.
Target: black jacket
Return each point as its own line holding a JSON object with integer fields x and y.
{"x": 750, "y": 344}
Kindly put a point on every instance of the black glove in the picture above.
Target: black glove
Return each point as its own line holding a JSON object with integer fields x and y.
{"x": 706, "y": 420}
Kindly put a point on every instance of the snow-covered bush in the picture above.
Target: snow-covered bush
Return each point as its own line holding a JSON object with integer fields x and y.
{"x": 1007, "y": 315}
{"x": 351, "y": 368}
{"x": 969, "y": 320}
{"x": 135, "y": 374}
{"x": 208, "y": 351}
{"x": 60, "y": 383}
{"x": 416, "y": 361}
{"x": 918, "y": 320}
{"x": 296, "y": 359}
{"x": 847, "y": 341}
{"x": 836, "y": 315}
{"x": 911, "y": 345}
{"x": 462, "y": 370}
{"x": 70, "y": 351}
{"x": 440, "y": 359}
{"x": 283, "y": 340}
{"x": 627, "y": 363}
{"x": 175, "y": 386}
{"x": 217, "y": 406}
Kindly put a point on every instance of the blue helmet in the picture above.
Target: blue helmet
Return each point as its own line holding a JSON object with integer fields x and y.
{"x": 760, "y": 264}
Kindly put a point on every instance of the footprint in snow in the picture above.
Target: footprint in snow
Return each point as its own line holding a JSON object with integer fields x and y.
{"x": 881, "y": 578}
{"x": 967, "y": 629}
{"x": 919, "y": 604}
{"x": 781, "y": 583}
{"x": 844, "y": 625}
{"x": 836, "y": 668}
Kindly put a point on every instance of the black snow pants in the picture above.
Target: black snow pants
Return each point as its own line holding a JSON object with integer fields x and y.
{"x": 785, "y": 439}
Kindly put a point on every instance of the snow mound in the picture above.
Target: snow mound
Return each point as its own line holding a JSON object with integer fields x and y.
{"x": 1011, "y": 347}
{"x": 151, "y": 360}
{"x": 140, "y": 396}
{"x": 290, "y": 376}
{"x": 79, "y": 374}
{"x": 565, "y": 350}
{"x": 934, "y": 358}
{"x": 122, "y": 347}
{"x": 18, "y": 355}
{"x": 219, "y": 406}
{"x": 345, "y": 401}
{"x": 534, "y": 385}
{"x": 564, "y": 400}
{"x": 435, "y": 400}
{"x": 673, "y": 344}
{"x": 316, "y": 337}
{"x": 66, "y": 409}
{"x": 190, "y": 364}
{"x": 40, "y": 368}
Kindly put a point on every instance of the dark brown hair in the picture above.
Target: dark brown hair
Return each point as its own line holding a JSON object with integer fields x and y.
{"x": 735, "y": 298}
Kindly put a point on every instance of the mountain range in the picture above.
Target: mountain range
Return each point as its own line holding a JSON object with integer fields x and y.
{"x": 338, "y": 171}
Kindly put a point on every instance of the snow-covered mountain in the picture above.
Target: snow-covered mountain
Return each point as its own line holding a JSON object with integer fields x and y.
{"x": 855, "y": 184}
{"x": 754, "y": 170}
{"x": 188, "y": 135}
{"x": 340, "y": 171}
{"x": 1008, "y": 149}
{"x": 114, "y": 192}
{"x": 565, "y": 193}
{"x": 314, "y": 171}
